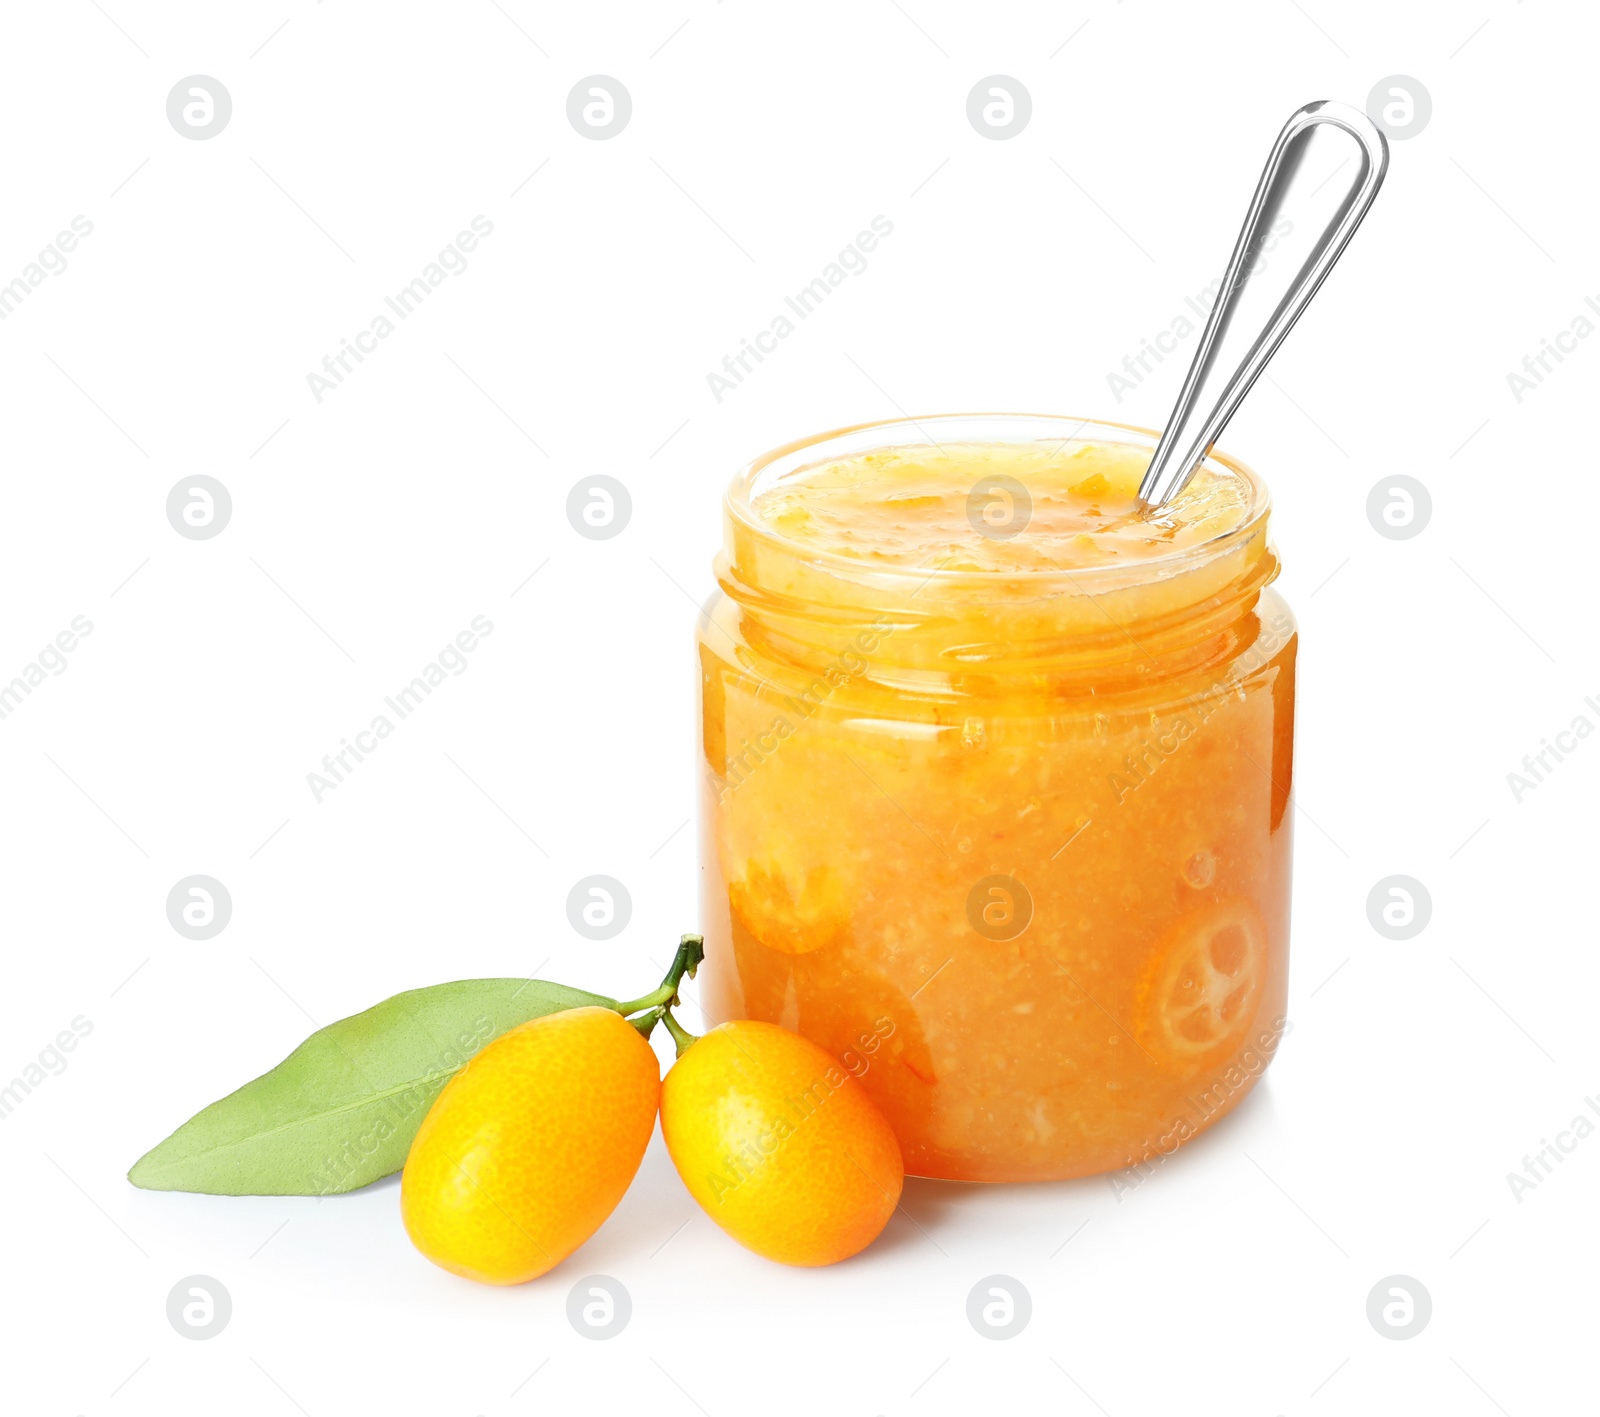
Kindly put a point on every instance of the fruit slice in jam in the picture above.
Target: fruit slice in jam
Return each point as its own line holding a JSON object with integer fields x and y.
{"x": 1204, "y": 985}
{"x": 774, "y": 913}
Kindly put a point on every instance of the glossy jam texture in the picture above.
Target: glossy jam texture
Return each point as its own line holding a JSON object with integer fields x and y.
{"x": 959, "y": 507}
{"x": 1035, "y": 897}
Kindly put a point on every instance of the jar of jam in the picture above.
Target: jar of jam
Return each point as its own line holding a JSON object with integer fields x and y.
{"x": 996, "y": 773}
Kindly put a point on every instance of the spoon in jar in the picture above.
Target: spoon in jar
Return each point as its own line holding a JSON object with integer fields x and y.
{"x": 1292, "y": 235}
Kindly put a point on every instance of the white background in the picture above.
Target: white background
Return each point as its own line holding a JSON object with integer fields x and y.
{"x": 369, "y": 528}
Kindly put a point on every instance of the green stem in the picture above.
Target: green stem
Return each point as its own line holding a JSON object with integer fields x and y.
{"x": 680, "y": 1036}
{"x": 691, "y": 950}
{"x": 646, "y": 1023}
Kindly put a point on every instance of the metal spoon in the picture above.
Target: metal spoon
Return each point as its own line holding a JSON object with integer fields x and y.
{"x": 1292, "y": 235}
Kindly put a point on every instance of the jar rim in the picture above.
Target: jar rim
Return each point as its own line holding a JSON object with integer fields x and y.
{"x": 739, "y": 500}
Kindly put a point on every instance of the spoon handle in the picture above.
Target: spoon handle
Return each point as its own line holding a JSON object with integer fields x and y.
{"x": 1293, "y": 234}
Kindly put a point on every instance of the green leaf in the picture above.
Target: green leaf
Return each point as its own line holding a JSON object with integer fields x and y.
{"x": 340, "y": 1111}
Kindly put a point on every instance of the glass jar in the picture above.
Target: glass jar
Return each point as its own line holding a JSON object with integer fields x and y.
{"x": 1013, "y": 846}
